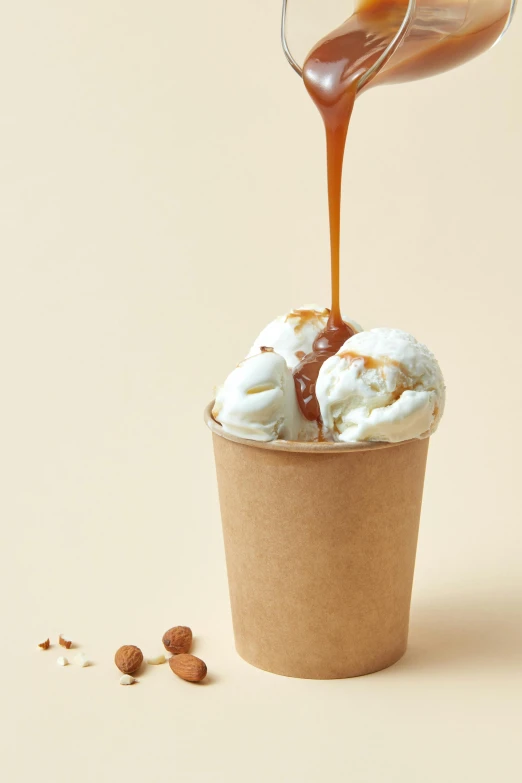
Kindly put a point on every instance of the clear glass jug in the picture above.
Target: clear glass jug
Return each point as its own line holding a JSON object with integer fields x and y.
{"x": 421, "y": 38}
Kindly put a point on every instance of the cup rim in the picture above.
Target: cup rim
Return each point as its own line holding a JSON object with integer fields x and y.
{"x": 302, "y": 447}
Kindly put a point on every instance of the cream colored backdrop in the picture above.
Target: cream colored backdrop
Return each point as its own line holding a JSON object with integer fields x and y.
{"x": 162, "y": 197}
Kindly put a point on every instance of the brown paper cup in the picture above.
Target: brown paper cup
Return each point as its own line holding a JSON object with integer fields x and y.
{"x": 320, "y": 543}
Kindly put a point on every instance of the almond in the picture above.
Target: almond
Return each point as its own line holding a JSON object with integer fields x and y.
{"x": 188, "y": 667}
{"x": 178, "y": 640}
{"x": 128, "y": 659}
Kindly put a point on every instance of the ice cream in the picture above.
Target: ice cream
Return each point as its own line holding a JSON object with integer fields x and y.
{"x": 383, "y": 385}
{"x": 258, "y": 401}
{"x": 292, "y": 335}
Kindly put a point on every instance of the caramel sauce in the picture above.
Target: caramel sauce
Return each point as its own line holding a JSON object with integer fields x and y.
{"x": 371, "y": 362}
{"x": 330, "y": 74}
{"x": 326, "y": 344}
{"x": 442, "y": 36}
{"x": 321, "y": 437}
{"x": 380, "y": 365}
{"x": 304, "y": 317}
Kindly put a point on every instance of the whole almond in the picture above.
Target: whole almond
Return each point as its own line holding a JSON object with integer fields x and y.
{"x": 128, "y": 659}
{"x": 178, "y": 640}
{"x": 188, "y": 667}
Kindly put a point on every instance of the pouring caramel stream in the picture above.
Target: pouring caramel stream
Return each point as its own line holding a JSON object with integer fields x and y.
{"x": 441, "y": 37}
{"x": 331, "y": 74}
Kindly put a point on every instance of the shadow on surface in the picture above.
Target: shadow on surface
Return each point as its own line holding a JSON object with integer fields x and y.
{"x": 469, "y": 632}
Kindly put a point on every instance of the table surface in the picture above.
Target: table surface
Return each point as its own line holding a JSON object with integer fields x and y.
{"x": 132, "y": 189}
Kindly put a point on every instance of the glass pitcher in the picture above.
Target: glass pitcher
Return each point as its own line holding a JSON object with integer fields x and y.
{"x": 422, "y": 37}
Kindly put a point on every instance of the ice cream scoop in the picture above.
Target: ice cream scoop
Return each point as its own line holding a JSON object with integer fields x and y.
{"x": 383, "y": 385}
{"x": 258, "y": 401}
{"x": 292, "y": 335}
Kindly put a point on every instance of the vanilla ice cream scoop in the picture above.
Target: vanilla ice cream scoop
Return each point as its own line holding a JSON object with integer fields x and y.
{"x": 383, "y": 385}
{"x": 258, "y": 401}
{"x": 292, "y": 335}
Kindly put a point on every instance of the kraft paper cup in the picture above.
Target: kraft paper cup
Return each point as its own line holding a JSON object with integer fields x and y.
{"x": 320, "y": 543}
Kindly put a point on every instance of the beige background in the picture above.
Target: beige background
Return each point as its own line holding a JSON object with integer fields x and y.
{"x": 161, "y": 198}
